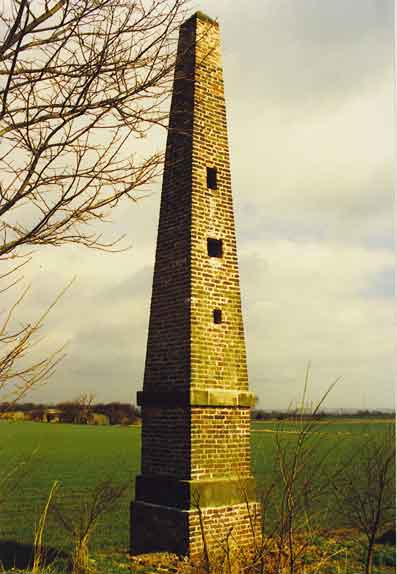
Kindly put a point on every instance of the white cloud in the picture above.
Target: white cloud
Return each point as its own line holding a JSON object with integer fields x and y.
{"x": 306, "y": 305}
{"x": 332, "y": 172}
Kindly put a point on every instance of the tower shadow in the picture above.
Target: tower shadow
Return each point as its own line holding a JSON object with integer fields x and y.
{"x": 20, "y": 556}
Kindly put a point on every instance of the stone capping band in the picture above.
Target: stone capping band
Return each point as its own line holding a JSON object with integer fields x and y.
{"x": 188, "y": 494}
{"x": 197, "y": 398}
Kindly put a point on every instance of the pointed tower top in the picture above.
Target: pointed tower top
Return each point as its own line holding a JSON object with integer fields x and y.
{"x": 201, "y": 16}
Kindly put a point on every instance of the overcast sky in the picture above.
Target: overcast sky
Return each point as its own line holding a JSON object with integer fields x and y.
{"x": 309, "y": 88}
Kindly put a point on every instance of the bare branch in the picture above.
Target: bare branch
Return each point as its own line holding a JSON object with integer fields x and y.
{"x": 83, "y": 80}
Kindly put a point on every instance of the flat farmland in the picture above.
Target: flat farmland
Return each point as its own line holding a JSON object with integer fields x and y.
{"x": 79, "y": 457}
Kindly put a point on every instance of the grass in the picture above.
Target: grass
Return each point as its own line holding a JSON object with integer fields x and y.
{"x": 331, "y": 438}
{"x": 78, "y": 457}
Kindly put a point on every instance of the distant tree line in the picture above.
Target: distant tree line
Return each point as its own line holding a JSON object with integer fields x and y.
{"x": 261, "y": 415}
{"x": 77, "y": 411}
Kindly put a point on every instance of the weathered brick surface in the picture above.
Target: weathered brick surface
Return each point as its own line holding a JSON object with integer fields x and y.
{"x": 158, "y": 528}
{"x": 196, "y": 349}
{"x": 168, "y": 348}
{"x": 166, "y": 442}
{"x": 185, "y": 348}
{"x": 235, "y": 528}
{"x": 217, "y": 351}
{"x": 220, "y": 443}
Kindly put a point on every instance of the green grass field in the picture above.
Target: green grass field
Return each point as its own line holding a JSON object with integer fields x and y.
{"x": 81, "y": 456}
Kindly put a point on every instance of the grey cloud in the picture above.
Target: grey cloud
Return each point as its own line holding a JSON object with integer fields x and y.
{"x": 137, "y": 284}
{"x": 381, "y": 285}
{"x": 306, "y": 53}
{"x": 306, "y": 304}
{"x": 356, "y": 212}
{"x": 105, "y": 358}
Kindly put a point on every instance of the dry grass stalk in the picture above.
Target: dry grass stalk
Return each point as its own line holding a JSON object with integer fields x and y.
{"x": 39, "y": 556}
{"x": 82, "y": 526}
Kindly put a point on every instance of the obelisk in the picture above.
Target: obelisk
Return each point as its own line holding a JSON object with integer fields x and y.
{"x": 196, "y": 482}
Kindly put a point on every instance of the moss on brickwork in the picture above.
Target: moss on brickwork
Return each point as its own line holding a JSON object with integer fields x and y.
{"x": 213, "y": 493}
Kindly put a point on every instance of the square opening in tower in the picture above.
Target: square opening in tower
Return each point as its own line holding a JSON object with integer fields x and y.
{"x": 214, "y": 247}
{"x": 211, "y": 178}
{"x": 217, "y": 314}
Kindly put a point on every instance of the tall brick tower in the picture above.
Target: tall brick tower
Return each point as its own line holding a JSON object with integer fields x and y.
{"x": 196, "y": 473}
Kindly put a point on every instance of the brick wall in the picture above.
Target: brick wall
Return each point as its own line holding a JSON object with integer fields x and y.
{"x": 220, "y": 443}
{"x": 185, "y": 348}
{"x": 166, "y": 442}
{"x": 233, "y": 528}
{"x": 168, "y": 348}
{"x": 217, "y": 350}
{"x": 236, "y": 528}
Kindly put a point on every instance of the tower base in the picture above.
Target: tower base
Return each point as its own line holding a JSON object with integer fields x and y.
{"x": 219, "y": 530}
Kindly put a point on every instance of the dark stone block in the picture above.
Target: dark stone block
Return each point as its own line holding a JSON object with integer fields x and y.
{"x": 158, "y": 529}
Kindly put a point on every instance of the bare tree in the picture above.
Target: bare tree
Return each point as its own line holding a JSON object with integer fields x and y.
{"x": 85, "y": 402}
{"x": 100, "y": 500}
{"x": 365, "y": 488}
{"x": 80, "y": 82}
{"x": 19, "y": 373}
{"x": 301, "y": 476}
